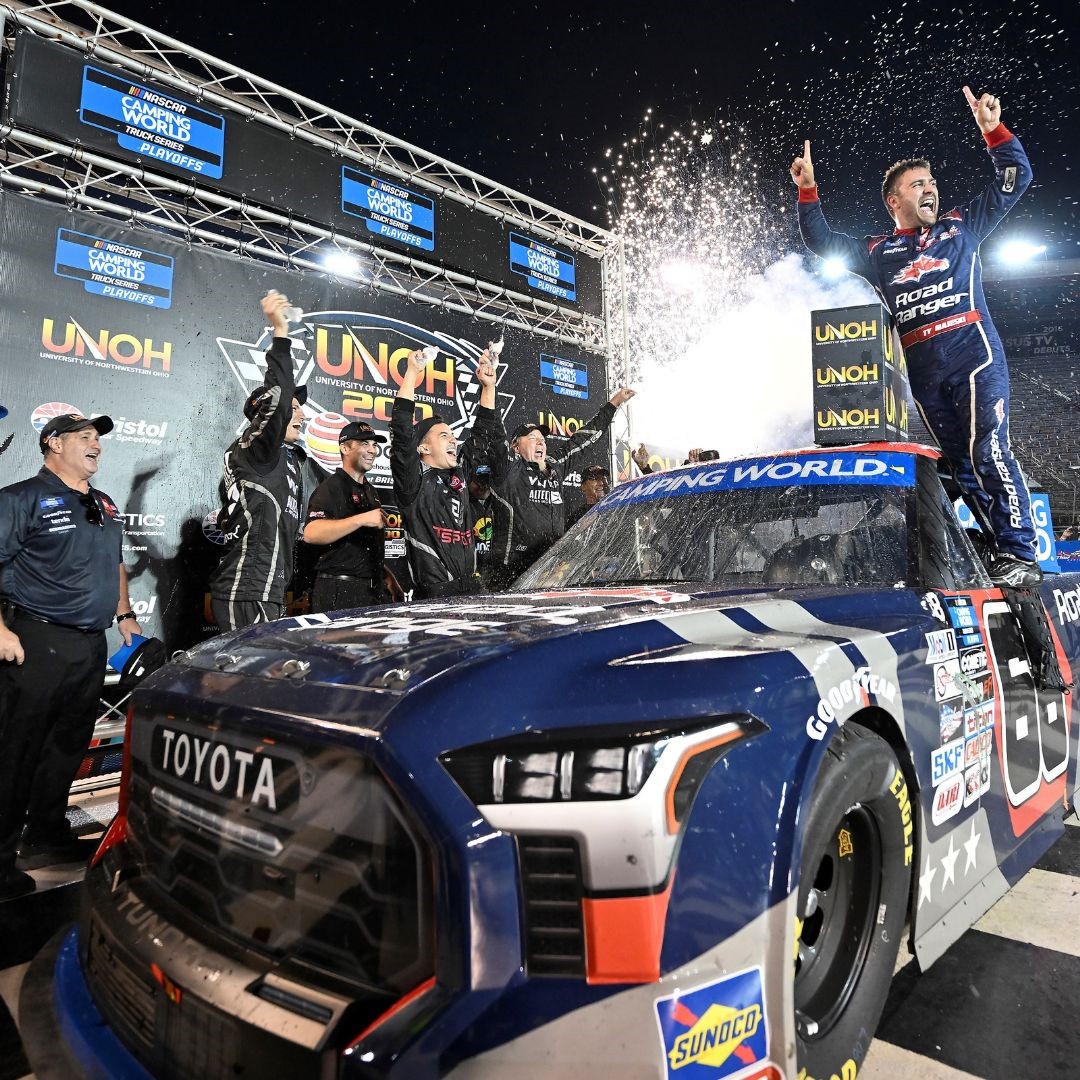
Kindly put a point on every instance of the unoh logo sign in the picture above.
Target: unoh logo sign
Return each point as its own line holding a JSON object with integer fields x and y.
{"x": 716, "y": 1030}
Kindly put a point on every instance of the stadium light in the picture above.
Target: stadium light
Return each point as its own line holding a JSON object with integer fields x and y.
{"x": 1019, "y": 251}
{"x": 342, "y": 263}
{"x": 834, "y": 268}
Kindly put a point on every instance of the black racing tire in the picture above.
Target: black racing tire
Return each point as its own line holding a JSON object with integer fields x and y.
{"x": 852, "y": 901}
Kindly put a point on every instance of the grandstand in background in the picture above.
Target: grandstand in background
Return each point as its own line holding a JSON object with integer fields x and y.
{"x": 1037, "y": 312}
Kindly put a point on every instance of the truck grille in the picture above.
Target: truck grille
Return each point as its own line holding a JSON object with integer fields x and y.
{"x": 191, "y": 1041}
{"x": 552, "y": 890}
{"x": 328, "y": 872}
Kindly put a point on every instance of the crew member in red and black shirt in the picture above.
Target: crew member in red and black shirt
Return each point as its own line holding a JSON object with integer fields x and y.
{"x": 63, "y": 584}
{"x": 345, "y": 522}
{"x": 431, "y": 483}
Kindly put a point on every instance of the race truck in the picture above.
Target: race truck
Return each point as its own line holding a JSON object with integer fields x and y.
{"x": 666, "y": 810}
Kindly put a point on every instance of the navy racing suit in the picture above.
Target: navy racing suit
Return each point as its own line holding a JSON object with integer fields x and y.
{"x": 930, "y": 279}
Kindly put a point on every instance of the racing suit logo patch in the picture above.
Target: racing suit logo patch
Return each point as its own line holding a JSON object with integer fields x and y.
{"x": 1008, "y": 183}
{"x": 915, "y": 269}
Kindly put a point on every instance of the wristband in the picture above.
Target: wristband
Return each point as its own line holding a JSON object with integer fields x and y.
{"x": 125, "y": 615}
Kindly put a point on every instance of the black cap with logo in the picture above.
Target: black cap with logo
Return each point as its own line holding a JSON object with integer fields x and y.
{"x": 359, "y": 431}
{"x": 61, "y": 425}
{"x": 524, "y": 429}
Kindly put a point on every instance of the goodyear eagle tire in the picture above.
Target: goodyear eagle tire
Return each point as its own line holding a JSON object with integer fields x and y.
{"x": 854, "y": 880}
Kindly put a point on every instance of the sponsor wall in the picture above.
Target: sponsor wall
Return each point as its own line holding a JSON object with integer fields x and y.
{"x": 168, "y": 340}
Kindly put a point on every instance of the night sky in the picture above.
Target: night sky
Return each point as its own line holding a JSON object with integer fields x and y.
{"x": 534, "y": 94}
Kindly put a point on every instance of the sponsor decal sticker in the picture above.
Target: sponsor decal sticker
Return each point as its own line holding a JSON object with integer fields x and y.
{"x": 948, "y": 800}
{"x": 976, "y": 781}
{"x": 882, "y": 470}
{"x": 841, "y": 700}
{"x": 940, "y": 645}
{"x": 972, "y": 661}
{"x": 946, "y": 760}
{"x": 1067, "y": 602}
{"x": 715, "y": 1030}
{"x": 951, "y": 719}
{"x": 844, "y": 846}
{"x": 945, "y": 680}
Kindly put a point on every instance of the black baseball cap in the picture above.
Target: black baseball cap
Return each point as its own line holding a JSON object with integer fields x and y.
{"x": 251, "y": 406}
{"x": 595, "y": 472}
{"x": 425, "y": 425}
{"x": 360, "y": 431}
{"x": 524, "y": 429}
{"x": 61, "y": 425}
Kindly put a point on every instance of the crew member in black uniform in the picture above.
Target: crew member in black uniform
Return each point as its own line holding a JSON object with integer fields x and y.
{"x": 529, "y": 511}
{"x": 263, "y": 491}
{"x": 63, "y": 583}
{"x": 595, "y": 484}
{"x": 431, "y": 483}
{"x": 482, "y": 505}
{"x": 345, "y": 521}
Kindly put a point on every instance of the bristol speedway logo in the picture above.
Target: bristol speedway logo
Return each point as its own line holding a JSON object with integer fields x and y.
{"x": 211, "y": 531}
{"x": 917, "y": 268}
{"x": 344, "y": 359}
{"x": 50, "y": 411}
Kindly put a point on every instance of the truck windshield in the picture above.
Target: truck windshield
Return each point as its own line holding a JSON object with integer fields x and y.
{"x": 805, "y": 534}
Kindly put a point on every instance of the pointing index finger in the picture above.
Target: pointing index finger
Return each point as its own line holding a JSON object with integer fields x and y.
{"x": 972, "y": 100}
{"x": 806, "y": 150}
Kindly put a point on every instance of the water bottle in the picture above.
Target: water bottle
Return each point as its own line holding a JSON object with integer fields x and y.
{"x": 293, "y": 314}
{"x": 429, "y": 353}
{"x": 495, "y": 348}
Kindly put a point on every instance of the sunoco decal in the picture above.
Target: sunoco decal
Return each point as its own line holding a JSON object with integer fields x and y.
{"x": 153, "y": 124}
{"x": 879, "y": 470}
{"x": 715, "y": 1030}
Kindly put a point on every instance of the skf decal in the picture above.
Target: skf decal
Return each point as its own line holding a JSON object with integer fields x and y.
{"x": 716, "y": 1030}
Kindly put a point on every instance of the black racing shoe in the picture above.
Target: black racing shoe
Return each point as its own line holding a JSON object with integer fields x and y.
{"x": 1016, "y": 573}
{"x": 14, "y": 883}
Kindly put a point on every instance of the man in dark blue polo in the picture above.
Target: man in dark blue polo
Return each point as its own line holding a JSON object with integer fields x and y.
{"x": 62, "y": 584}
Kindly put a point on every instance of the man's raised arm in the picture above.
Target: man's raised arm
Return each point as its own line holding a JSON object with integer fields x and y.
{"x": 816, "y": 234}
{"x": 1011, "y": 166}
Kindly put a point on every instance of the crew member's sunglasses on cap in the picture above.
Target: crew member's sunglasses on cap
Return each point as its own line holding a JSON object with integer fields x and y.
{"x": 93, "y": 511}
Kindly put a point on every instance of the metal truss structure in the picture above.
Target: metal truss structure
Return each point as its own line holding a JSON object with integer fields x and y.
{"x": 138, "y": 196}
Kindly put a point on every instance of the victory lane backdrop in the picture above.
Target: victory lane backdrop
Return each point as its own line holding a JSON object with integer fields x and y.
{"x": 168, "y": 341}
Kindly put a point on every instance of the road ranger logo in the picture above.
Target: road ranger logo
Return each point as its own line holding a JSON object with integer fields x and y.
{"x": 225, "y": 770}
{"x": 934, "y": 301}
{"x": 915, "y": 269}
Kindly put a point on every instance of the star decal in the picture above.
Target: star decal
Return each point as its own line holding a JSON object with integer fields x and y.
{"x": 948, "y": 864}
{"x": 926, "y": 879}
{"x": 971, "y": 845}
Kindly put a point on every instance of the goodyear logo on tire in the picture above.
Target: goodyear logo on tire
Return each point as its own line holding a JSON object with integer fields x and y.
{"x": 714, "y": 1030}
